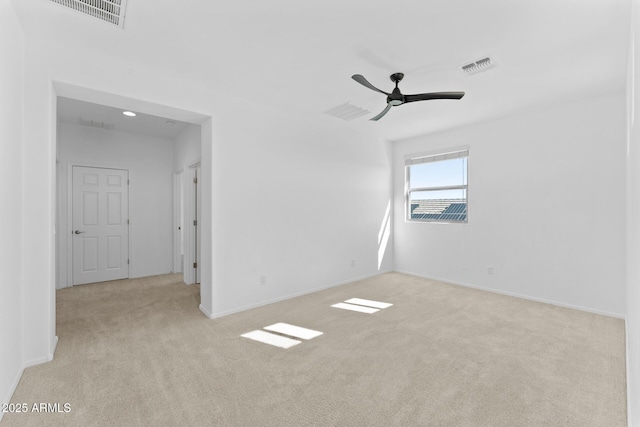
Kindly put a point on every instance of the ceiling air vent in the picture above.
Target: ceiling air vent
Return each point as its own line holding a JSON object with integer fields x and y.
{"x": 347, "y": 111}
{"x": 477, "y": 66}
{"x": 111, "y": 11}
{"x": 95, "y": 124}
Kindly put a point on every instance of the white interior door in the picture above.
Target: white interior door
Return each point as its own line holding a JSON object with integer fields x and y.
{"x": 100, "y": 217}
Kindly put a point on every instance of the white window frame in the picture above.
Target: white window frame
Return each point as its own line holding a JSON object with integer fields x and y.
{"x": 428, "y": 158}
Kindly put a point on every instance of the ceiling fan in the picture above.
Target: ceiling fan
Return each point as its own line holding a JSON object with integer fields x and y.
{"x": 396, "y": 98}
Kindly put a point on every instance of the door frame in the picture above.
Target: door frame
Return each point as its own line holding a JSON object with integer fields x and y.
{"x": 190, "y": 275}
{"x": 178, "y": 226}
{"x": 40, "y": 342}
{"x": 69, "y": 217}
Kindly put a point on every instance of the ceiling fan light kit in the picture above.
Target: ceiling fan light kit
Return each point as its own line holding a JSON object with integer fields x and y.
{"x": 396, "y": 98}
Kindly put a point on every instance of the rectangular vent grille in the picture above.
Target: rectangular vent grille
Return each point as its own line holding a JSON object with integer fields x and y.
{"x": 347, "y": 111}
{"x": 477, "y": 66}
{"x": 95, "y": 124}
{"x": 111, "y": 11}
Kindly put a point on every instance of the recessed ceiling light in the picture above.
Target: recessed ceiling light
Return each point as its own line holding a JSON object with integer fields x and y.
{"x": 129, "y": 113}
{"x": 170, "y": 122}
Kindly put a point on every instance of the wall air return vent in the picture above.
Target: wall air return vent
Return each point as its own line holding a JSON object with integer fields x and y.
{"x": 111, "y": 11}
{"x": 95, "y": 124}
{"x": 477, "y": 66}
{"x": 347, "y": 111}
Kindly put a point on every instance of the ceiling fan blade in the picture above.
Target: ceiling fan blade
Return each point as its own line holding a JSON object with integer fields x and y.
{"x": 433, "y": 95}
{"x": 379, "y": 116}
{"x": 360, "y": 79}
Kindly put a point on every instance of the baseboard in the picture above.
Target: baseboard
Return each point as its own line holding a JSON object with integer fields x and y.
{"x": 630, "y": 402}
{"x": 289, "y": 296}
{"x": 37, "y": 361}
{"x": 517, "y": 295}
{"x": 12, "y": 389}
{"x": 27, "y": 364}
{"x": 136, "y": 276}
{"x": 43, "y": 359}
{"x": 52, "y": 351}
{"x": 140, "y": 276}
{"x": 206, "y": 313}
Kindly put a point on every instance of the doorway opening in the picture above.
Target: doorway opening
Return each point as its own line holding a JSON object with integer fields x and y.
{"x": 152, "y": 155}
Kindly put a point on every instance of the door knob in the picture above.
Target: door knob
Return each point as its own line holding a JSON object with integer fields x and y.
{"x": 79, "y": 232}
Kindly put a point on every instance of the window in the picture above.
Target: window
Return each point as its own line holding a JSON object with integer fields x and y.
{"x": 436, "y": 187}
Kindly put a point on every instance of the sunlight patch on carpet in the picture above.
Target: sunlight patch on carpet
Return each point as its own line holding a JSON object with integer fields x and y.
{"x": 352, "y": 307}
{"x": 293, "y": 331}
{"x": 272, "y": 339}
{"x": 368, "y": 303}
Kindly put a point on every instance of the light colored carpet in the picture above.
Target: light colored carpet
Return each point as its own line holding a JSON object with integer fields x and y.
{"x": 139, "y": 352}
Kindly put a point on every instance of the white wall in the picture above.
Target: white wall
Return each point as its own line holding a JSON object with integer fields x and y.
{"x": 150, "y": 163}
{"x": 546, "y": 207}
{"x": 295, "y": 201}
{"x": 633, "y": 224}
{"x": 321, "y": 190}
{"x": 39, "y": 192}
{"x": 187, "y": 148}
{"x": 11, "y": 257}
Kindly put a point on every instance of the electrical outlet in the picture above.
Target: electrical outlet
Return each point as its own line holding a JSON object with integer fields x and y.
{"x": 263, "y": 280}
{"x": 490, "y": 269}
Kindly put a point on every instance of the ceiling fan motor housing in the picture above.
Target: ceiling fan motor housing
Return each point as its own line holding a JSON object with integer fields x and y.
{"x": 396, "y": 98}
{"x": 396, "y": 77}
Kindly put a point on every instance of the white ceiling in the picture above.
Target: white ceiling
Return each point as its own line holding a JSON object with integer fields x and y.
{"x": 298, "y": 56}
